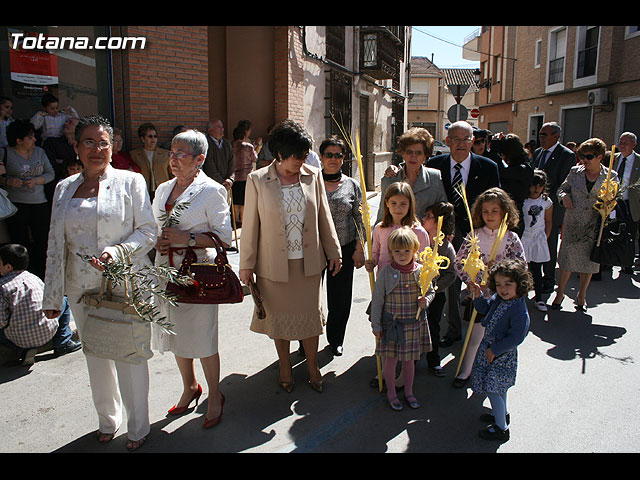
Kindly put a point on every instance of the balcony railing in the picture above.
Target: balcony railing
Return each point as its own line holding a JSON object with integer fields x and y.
{"x": 587, "y": 62}
{"x": 419, "y": 100}
{"x": 380, "y": 52}
{"x": 556, "y": 70}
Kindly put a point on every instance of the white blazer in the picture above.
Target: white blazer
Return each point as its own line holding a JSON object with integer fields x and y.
{"x": 124, "y": 217}
{"x": 208, "y": 211}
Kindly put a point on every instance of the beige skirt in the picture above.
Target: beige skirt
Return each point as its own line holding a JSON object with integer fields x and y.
{"x": 293, "y": 308}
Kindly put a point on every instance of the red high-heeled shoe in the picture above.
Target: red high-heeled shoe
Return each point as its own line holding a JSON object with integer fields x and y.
{"x": 175, "y": 410}
{"x": 212, "y": 423}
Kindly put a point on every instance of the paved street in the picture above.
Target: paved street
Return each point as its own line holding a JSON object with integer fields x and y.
{"x": 577, "y": 391}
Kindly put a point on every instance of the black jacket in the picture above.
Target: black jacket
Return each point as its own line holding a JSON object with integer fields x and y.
{"x": 483, "y": 174}
{"x": 557, "y": 168}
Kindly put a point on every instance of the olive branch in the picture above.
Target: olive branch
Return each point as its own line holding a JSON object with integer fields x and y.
{"x": 172, "y": 218}
{"x": 143, "y": 287}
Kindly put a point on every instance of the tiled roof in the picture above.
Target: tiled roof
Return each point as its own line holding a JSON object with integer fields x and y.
{"x": 459, "y": 76}
{"x": 423, "y": 66}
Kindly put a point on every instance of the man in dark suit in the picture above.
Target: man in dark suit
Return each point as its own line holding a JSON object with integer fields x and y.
{"x": 627, "y": 165}
{"x": 556, "y": 160}
{"x": 478, "y": 174}
{"x": 219, "y": 162}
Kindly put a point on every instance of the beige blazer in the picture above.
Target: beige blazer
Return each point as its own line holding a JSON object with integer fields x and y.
{"x": 161, "y": 170}
{"x": 264, "y": 242}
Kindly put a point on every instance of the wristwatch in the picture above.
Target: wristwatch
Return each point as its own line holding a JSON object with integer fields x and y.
{"x": 192, "y": 239}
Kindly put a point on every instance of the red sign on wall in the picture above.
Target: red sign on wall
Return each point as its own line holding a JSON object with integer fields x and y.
{"x": 36, "y": 67}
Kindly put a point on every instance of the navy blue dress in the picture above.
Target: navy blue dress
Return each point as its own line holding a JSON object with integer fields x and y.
{"x": 506, "y": 325}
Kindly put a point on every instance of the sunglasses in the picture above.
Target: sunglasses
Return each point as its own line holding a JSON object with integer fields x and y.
{"x": 588, "y": 156}
{"x": 333, "y": 155}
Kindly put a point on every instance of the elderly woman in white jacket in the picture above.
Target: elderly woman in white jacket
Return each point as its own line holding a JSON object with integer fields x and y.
{"x": 93, "y": 212}
{"x": 207, "y": 210}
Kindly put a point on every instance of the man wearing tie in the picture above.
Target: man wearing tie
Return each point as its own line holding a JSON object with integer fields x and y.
{"x": 556, "y": 160}
{"x": 627, "y": 164}
{"x": 478, "y": 174}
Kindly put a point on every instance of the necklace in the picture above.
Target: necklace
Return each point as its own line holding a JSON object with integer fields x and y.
{"x": 332, "y": 177}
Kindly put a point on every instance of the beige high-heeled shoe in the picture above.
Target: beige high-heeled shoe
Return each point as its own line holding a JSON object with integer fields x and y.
{"x": 287, "y": 386}
{"x": 317, "y": 386}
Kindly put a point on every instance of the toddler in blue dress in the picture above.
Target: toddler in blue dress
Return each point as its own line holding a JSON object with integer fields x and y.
{"x": 506, "y": 322}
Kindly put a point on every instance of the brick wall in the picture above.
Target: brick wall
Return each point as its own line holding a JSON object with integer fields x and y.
{"x": 289, "y": 74}
{"x": 165, "y": 84}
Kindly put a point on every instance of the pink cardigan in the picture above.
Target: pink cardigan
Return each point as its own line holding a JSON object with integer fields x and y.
{"x": 381, "y": 234}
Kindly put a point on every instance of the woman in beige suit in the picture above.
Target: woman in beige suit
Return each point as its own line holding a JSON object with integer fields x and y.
{"x": 152, "y": 160}
{"x": 288, "y": 236}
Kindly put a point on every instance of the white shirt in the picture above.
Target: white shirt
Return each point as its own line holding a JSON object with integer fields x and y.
{"x": 628, "y": 167}
{"x": 149, "y": 155}
{"x": 313, "y": 159}
{"x": 464, "y": 171}
{"x": 294, "y": 211}
{"x": 216, "y": 141}
{"x": 544, "y": 158}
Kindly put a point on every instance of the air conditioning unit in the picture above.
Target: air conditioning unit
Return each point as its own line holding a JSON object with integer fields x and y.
{"x": 598, "y": 96}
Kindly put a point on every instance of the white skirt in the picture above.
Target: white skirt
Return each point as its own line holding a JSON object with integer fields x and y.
{"x": 195, "y": 328}
{"x": 536, "y": 248}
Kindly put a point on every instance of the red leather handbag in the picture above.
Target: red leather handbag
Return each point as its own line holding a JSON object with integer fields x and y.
{"x": 213, "y": 283}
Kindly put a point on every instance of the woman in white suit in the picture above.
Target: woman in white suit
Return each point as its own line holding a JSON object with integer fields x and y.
{"x": 207, "y": 210}
{"x": 92, "y": 212}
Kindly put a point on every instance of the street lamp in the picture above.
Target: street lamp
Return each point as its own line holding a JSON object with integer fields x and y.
{"x": 477, "y": 74}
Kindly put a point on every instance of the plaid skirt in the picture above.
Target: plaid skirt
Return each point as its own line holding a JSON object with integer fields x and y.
{"x": 417, "y": 340}
{"x": 402, "y": 302}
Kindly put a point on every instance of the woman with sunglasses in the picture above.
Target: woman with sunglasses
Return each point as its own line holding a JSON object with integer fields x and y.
{"x": 152, "y": 160}
{"x": 415, "y": 146}
{"x": 344, "y": 196}
{"x": 578, "y": 193}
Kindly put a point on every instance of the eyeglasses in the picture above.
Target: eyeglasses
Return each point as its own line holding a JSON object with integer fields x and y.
{"x": 180, "y": 155}
{"x": 91, "y": 144}
{"x": 588, "y": 156}
{"x": 460, "y": 140}
{"x": 333, "y": 155}
{"x": 416, "y": 153}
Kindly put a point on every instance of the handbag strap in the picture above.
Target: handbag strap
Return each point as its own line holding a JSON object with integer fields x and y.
{"x": 106, "y": 288}
{"x": 221, "y": 257}
{"x": 191, "y": 257}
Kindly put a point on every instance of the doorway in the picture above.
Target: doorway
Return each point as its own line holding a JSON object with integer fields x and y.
{"x": 364, "y": 140}
{"x": 535, "y": 124}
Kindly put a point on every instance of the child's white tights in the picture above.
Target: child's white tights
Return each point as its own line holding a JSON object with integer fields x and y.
{"x": 472, "y": 348}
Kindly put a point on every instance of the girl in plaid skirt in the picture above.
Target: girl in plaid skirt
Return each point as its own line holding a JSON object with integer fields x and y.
{"x": 401, "y": 333}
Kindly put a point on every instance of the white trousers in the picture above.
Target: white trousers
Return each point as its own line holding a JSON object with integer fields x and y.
{"x": 114, "y": 385}
{"x": 477, "y": 335}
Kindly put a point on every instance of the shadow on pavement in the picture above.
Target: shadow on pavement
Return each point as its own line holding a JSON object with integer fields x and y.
{"x": 351, "y": 417}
